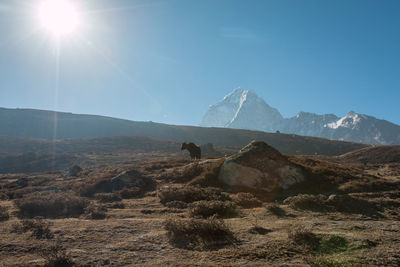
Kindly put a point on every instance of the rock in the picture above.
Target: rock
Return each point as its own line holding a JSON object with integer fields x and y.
{"x": 259, "y": 166}
{"x": 75, "y": 170}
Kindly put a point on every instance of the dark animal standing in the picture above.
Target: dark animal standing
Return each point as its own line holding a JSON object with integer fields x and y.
{"x": 195, "y": 152}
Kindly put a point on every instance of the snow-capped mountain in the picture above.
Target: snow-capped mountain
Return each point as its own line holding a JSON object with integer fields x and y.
{"x": 243, "y": 109}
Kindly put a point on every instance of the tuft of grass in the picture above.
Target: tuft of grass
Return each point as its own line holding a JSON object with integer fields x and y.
{"x": 207, "y": 209}
{"x": 199, "y": 233}
{"x": 56, "y": 256}
{"x": 51, "y": 205}
{"x": 39, "y": 229}
{"x": 189, "y": 194}
{"x": 246, "y": 200}
{"x": 333, "y": 244}
{"x": 304, "y": 238}
{"x": 307, "y": 202}
{"x": 4, "y": 216}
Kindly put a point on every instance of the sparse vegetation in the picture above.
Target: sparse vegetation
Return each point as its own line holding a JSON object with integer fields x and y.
{"x": 135, "y": 232}
{"x": 51, "y": 205}
{"x": 199, "y": 233}
{"x": 246, "y": 200}
{"x": 207, "y": 209}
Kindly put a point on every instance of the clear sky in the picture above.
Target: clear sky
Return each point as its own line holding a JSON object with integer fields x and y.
{"x": 167, "y": 61}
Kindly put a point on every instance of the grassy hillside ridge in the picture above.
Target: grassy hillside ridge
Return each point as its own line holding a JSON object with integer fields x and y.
{"x": 373, "y": 155}
{"x": 39, "y": 124}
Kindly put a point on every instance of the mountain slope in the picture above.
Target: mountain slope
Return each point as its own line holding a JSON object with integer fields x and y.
{"x": 38, "y": 124}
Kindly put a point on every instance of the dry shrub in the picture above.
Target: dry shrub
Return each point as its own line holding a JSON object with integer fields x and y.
{"x": 40, "y": 229}
{"x": 107, "y": 197}
{"x": 207, "y": 209}
{"x": 304, "y": 238}
{"x": 199, "y": 233}
{"x": 133, "y": 192}
{"x": 307, "y": 202}
{"x": 176, "y": 205}
{"x": 4, "y": 216}
{"x": 96, "y": 212}
{"x": 246, "y": 200}
{"x": 51, "y": 205}
{"x": 189, "y": 194}
{"x": 56, "y": 256}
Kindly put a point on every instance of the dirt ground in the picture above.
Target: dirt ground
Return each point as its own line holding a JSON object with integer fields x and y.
{"x": 135, "y": 234}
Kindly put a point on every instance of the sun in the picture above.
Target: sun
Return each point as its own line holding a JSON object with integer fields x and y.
{"x": 59, "y": 17}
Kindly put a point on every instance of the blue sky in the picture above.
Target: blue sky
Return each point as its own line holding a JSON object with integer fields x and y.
{"x": 167, "y": 61}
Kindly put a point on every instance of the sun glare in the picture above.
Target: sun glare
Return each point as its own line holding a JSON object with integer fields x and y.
{"x": 59, "y": 17}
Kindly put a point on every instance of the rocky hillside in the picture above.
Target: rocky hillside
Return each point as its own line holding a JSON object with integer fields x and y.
{"x": 243, "y": 109}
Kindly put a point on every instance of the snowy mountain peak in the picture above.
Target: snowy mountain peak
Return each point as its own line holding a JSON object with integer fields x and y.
{"x": 243, "y": 109}
{"x": 351, "y": 120}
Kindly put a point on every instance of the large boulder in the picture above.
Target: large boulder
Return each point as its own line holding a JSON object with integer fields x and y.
{"x": 260, "y": 167}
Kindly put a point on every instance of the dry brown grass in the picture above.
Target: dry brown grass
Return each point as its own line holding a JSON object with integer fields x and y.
{"x": 217, "y": 208}
{"x": 107, "y": 197}
{"x": 4, "y": 215}
{"x": 51, "y": 205}
{"x": 189, "y": 194}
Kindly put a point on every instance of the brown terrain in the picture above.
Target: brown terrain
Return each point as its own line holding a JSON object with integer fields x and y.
{"x": 148, "y": 204}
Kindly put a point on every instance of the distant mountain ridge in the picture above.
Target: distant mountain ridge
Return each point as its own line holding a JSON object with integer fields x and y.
{"x": 243, "y": 109}
{"x": 19, "y": 126}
